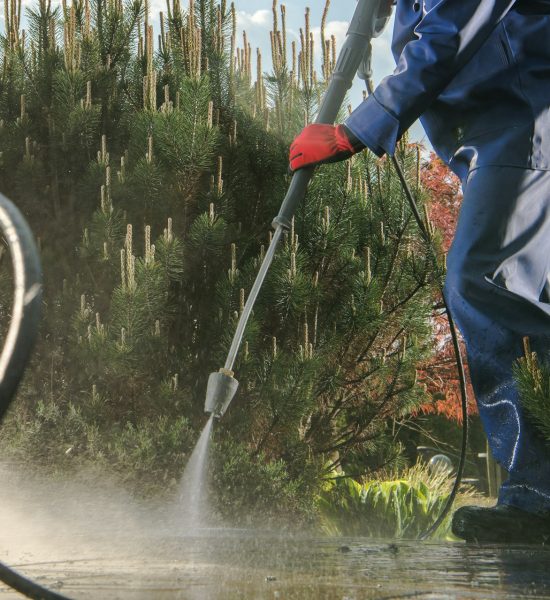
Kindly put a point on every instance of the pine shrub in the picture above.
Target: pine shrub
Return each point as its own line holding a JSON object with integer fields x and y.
{"x": 533, "y": 378}
{"x": 151, "y": 173}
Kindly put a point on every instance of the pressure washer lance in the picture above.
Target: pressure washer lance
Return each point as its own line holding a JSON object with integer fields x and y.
{"x": 222, "y": 385}
{"x": 354, "y": 58}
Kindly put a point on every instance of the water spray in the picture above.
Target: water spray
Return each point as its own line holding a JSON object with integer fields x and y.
{"x": 222, "y": 385}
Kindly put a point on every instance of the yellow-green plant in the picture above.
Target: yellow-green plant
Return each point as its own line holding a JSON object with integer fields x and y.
{"x": 393, "y": 506}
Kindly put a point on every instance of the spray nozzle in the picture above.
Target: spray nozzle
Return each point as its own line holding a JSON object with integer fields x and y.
{"x": 220, "y": 391}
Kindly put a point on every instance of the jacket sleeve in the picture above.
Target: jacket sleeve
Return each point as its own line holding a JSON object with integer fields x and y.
{"x": 447, "y": 37}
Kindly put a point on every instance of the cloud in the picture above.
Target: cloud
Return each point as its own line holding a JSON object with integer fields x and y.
{"x": 338, "y": 29}
{"x": 382, "y": 58}
{"x": 250, "y": 21}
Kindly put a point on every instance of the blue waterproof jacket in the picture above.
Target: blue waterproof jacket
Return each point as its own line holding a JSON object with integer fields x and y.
{"x": 477, "y": 73}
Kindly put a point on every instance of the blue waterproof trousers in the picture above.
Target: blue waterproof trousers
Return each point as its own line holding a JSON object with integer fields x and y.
{"x": 477, "y": 73}
{"x": 498, "y": 289}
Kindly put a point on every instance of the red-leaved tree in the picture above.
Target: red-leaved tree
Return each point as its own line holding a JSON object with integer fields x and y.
{"x": 440, "y": 374}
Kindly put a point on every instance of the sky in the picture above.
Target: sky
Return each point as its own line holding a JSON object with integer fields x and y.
{"x": 255, "y": 17}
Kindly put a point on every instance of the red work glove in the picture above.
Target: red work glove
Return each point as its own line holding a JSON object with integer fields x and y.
{"x": 318, "y": 144}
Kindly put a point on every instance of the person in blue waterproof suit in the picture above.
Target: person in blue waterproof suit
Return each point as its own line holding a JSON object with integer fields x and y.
{"x": 477, "y": 74}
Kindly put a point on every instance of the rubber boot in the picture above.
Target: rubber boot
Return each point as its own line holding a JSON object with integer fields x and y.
{"x": 501, "y": 524}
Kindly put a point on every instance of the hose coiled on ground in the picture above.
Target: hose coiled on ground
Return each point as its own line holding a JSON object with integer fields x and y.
{"x": 20, "y": 340}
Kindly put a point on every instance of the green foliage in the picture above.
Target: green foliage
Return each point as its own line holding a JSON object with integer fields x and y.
{"x": 256, "y": 490}
{"x": 533, "y": 378}
{"x": 146, "y": 454}
{"x": 152, "y": 447}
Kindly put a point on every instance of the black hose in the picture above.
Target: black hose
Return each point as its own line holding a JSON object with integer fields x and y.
{"x": 26, "y": 586}
{"x": 454, "y": 334}
{"x": 27, "y": 300}
{"x": 20, "y": 340}
{"x": 458, "y": 355}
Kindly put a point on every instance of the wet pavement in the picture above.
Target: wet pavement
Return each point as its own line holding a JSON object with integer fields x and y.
{"x": 233, "y": 564}
{"x": 89, "y": 539}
